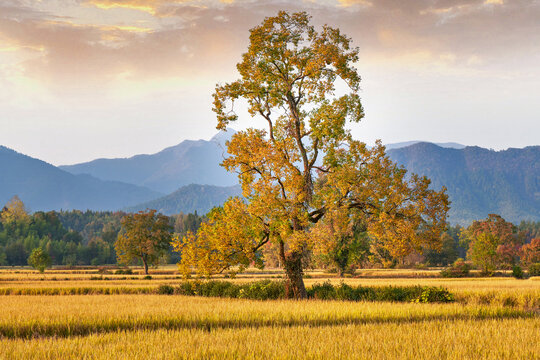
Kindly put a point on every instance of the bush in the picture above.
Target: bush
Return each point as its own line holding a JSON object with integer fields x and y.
{"x": 458, "y": 269}
{"x": 262, "y": 290}
{"x": 327, "y": 291}
{"x": 271, "y": 290}
{"x": 432, "y": 294}
{"x": 124, "y": 272}
{"x": 517, "y": 272}
{"x": 165, "y": 289}
{"x": 534, "y": 269}
{"x": 147, "y": 277}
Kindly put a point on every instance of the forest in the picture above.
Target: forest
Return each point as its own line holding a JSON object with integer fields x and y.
{"x": 77, "y": 238}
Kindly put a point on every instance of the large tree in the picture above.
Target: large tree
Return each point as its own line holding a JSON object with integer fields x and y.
{"x": 145, "y": 235}
{"x": 305, "y": 164}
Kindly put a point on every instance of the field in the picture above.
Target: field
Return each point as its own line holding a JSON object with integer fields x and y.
{"x": 493, "y": 318}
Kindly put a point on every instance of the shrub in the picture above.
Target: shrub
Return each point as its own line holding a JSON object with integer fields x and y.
{"x": 262, "y": 290}
{"x": 432, "y": 294}
{"x": 534, "y": 269}
{"x": 458, "y": 269}
{"x": 165, "y": 289}
{"x": 517, "y": 272}
{"x": 324, "y": 291}
{"x": 147, "y": 277}
{"x": 271, "y": 290}
{"x": 124, "y": 272}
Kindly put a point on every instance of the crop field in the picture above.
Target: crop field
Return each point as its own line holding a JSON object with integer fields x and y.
{"x": 492, "y": 318}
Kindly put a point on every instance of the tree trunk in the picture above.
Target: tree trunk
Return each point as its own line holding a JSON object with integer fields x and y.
{"x": 294, "y": 282}
{"x": 145, "y": 264}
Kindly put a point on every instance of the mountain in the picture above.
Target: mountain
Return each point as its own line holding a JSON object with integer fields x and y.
{"x": 190, "y": 198}
{"x": 190, "y": 162}
{"x": 42, "y": 186}
{"x": 450, "y": 145}
{"x": 479, "y": 181}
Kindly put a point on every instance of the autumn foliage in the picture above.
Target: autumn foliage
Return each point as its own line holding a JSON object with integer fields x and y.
{"x": 305, "y": 166}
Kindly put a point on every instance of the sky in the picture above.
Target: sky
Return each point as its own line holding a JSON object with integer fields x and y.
{"x": 86, "y": 79}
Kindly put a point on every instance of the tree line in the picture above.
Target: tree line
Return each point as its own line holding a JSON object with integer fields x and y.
{"x": 70, "y": 238}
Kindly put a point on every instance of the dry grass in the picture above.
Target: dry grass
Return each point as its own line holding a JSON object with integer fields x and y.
{"x": 158, "y": 327}
{"x": 492, "y": 321}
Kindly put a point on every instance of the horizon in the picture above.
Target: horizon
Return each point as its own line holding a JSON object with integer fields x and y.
{"x": 95, "y": 79}
{"x": 400, "y": 143}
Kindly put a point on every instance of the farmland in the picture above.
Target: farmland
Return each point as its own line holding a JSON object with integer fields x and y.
{"x": 123, "y": 316}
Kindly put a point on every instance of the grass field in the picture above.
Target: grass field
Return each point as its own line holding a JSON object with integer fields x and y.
{"x": 482, "y": 324}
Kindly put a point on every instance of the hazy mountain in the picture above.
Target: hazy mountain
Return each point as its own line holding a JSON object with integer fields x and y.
{"x": 190, "y": 198}
{"x": 190, "y": 162}
{"x": 450, "y": 145}
{"x": 480, "y": 181}
{"x": 42, "y": 186}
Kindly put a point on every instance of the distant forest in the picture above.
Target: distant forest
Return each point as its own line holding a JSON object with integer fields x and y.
{"x": 77, "y": 238}
{"x": 73, "y": 237}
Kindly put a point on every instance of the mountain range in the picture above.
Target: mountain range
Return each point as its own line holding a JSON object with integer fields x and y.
{"x": 479, "y": 181}
{"x": 42, "y": 186}
{"x": 190, "y": 162}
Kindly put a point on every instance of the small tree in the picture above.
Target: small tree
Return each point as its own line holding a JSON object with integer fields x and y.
{"x": 14, "y": 210}
{"x": 493, "y": 242}
{"x": 144, "y": 235}
{"x": 39, "y": 259}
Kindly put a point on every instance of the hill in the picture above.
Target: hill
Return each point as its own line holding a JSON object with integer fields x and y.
{"x": 479, "y": 181}
{"x": 42, "y": 186}
{"x": 190, "y": 198}
{"x": 190, "y": 162}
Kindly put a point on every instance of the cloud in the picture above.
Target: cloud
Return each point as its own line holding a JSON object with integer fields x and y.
{"x": 188, "y": 38}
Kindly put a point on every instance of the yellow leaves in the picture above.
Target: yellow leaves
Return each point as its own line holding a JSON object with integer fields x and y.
{"x": 287, "y": 78}
{"x": 13, "y": 211}
{"x": 231, "y": 237}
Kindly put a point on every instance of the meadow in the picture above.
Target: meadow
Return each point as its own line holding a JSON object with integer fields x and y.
{"x": 492, "y": 318}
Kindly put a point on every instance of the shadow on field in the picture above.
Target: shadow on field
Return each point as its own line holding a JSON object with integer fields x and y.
{"x": 73, "y": 328}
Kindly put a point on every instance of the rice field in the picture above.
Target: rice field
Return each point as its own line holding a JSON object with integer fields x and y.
{"x": 494, "y": 318}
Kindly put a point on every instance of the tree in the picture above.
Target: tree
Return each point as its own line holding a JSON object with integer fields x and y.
{"x": 306, "y": 165}
{"x": 39, "y": 259}
{"x": 341, "y": 241}
{"x": 144, "y": 235}
{"x": 493, "y": 242}
{"x": 13, "y": 211}
{"x": 530, "y": 253}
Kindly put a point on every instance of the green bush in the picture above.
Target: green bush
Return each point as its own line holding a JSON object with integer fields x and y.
{"x": 327, "y": 291}
{"x": 147, "y": 277}
{"x": 458, "y": 269}
{"x": 517, "y": 272}
{"x": 165, "y": 289}
{"x": 534, "y": 269}
{"x": 432, "y": 294}
{"x": 271, "y": 290}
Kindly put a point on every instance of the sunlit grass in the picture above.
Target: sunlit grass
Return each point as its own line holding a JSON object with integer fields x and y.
{"x": 80, "y": 315}
{"x": 494, "y": 318}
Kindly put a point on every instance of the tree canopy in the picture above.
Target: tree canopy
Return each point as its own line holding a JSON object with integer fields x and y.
{"x": 305, "y": 165}
{"x": 145, "y": 235}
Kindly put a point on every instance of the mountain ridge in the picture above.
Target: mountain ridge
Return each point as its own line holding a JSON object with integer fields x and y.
{"x": 190, "y": 161}
{"x": 43, "y": 186}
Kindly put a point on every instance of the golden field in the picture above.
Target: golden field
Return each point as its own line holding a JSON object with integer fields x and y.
{"x": 494, "y": 318}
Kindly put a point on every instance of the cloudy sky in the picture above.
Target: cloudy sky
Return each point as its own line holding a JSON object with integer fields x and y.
{"x": 82, "y": 79}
